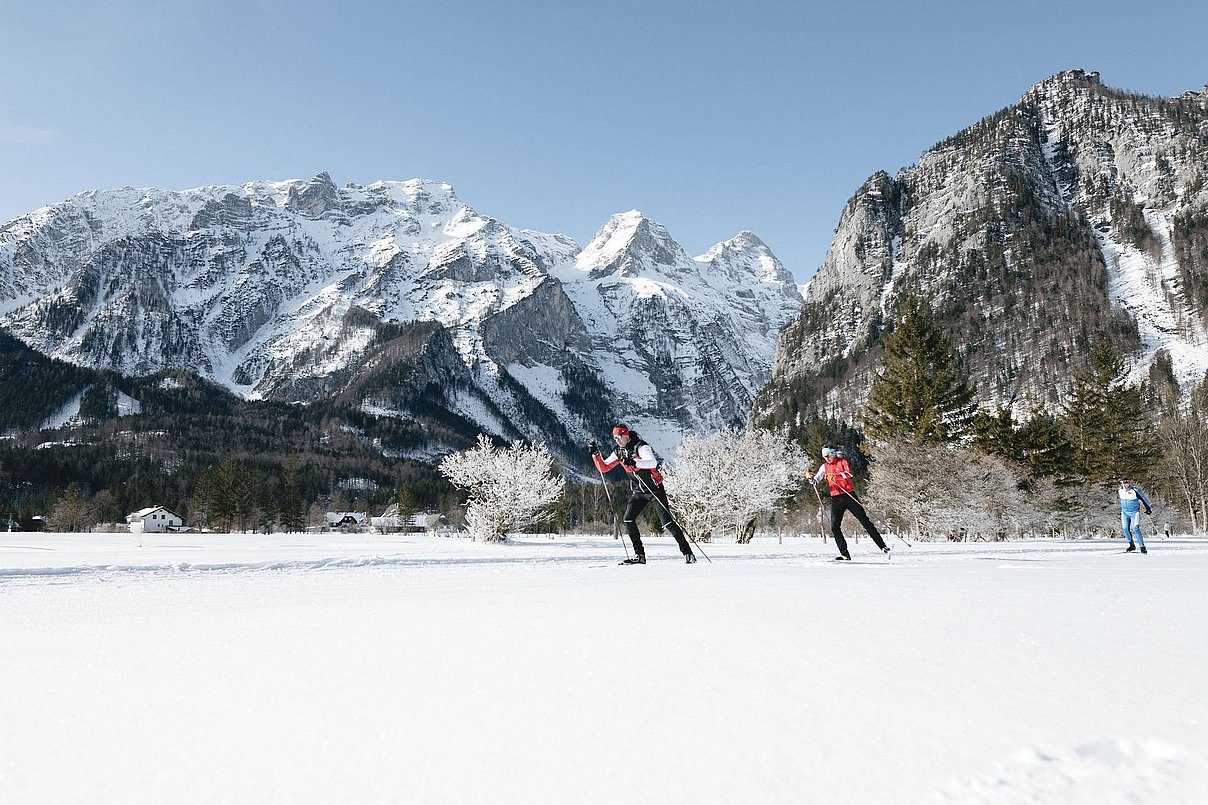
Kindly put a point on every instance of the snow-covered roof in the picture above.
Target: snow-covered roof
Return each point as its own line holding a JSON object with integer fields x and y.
{"x": 339, "y": 517}
{"x": 143, "y": 513}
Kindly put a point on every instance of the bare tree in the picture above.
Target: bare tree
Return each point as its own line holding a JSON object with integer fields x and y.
{"x": 1183, "y": 471}
{"x": 72, "y": 513}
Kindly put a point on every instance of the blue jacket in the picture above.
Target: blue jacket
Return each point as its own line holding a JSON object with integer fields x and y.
{"x": 1130, "y": 499}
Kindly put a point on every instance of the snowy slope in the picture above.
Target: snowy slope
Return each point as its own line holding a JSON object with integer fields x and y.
{"x": 1074, "y": 218}
{"x": 277, "y": 290}
{"x": 684, "y": 339}
{"x": 418, "y": 669}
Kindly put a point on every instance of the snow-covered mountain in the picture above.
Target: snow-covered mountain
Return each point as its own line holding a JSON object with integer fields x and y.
{"x": 1077, "y": 216}
{"x": 293, "y": 290}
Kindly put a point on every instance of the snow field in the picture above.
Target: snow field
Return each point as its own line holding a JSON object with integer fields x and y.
{"x": 286, "y": 668}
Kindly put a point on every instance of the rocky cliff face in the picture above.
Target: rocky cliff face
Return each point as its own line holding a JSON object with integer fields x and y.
{"x": 1077, "y": 216}
{"x": 289, "y": 290}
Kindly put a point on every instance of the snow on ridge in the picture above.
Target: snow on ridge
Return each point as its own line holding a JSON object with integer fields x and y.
{"x": 611, "y": 241}
{"x": 1136, "y": 283}
{"x": 260, "y": 284}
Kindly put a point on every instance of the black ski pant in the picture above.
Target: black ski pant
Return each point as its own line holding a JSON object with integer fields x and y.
{"x": 844, "y": 502}
{"x": 638, "y": 502}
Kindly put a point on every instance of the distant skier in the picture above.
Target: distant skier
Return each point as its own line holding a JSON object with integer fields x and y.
{"x": 1131, "y": 498}
{"x": 645, "y": 483}
{"x": 838, "y": 474}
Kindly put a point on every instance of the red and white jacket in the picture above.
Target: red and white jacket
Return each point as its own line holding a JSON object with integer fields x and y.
{"x": 636, "y": 456}
{"x": 838, "y": 474}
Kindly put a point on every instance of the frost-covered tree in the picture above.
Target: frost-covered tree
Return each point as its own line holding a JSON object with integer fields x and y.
{"x": 937, "y": 490}
{"x": 509, "y": 487}
{"x": 722, "y": 480}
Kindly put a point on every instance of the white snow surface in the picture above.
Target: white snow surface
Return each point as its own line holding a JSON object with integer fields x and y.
{"x": 411, "y": 668}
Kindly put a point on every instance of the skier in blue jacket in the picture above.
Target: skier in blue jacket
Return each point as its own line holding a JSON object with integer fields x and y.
{"x": 1131, "y": 498}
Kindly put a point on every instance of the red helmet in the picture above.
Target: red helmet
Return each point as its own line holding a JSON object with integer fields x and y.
{"x": 620, "y": 430}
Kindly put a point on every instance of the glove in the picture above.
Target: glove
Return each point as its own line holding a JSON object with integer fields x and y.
{"x": 1148, "y": 510}
{"x": 593, "y": 448}
{"x": 629, "y": 460}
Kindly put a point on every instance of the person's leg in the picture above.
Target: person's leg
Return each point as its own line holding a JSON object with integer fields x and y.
{"x": 637, "y": 503}
{"x": 838, "y": 504}
{"x": 1126, "y": 526}
{"x": 857, "y": 508}
{"x": 1136, "y": 529}
{"x": 669, "y": 524}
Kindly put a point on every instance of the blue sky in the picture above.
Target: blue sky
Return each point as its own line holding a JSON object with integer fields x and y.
{"x": 709, "y": 117}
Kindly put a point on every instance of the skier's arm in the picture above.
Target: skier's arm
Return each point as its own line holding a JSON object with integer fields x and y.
{"x": 1145, "y": 500}
{"x": 605, "y": 464}
{"x": 819, "y": 475}
{"x": 645, "y": 459}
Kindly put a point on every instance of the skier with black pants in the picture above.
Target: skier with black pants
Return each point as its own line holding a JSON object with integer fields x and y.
{"x": 646, "y": 484}
{"x": 838, "y": 475}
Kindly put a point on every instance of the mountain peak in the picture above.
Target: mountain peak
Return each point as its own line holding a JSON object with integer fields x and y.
{"x": 1065, "y": 83}
{"x": 315, "y": 197}
{"x": 746, "y": 255}
{"x": 630, "y": 244}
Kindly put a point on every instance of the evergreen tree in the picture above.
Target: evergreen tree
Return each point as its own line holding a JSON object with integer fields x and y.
{"x": 246, "y": 495}
{"x": 224, "y": 487}
{"x": 998, "y": 434}
{"x": 293, "y": 510}
{"x": 407, "y": 505}
{"x": 202, "y": 501}
{"x": 919, "y": 395}
{"x": 1046, "y": 449}
{"x": 1107, "y": 422}
{"x": 1038, "y": 445}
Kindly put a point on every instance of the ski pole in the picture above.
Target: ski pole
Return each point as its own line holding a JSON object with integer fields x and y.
{"x": 857, "y": 500}
{"x": 615, "y": 528}
{"x": 670, "y": 517}
{"x": 821, "y": 522}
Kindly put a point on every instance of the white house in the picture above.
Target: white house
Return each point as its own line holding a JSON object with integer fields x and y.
{"x": 154, "y": 520}
{"x": 390, "y": 521}
{"x": 346, "y": 522}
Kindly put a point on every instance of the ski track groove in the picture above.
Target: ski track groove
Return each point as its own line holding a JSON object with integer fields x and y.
{"x": 902, "y": 557}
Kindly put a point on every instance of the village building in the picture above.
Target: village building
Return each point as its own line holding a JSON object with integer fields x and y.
{"x": 346, "y": 522}
{"x": 155, "y": 520}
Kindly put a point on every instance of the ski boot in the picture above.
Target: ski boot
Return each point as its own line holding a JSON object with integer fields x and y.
{"x": 842, "y": 558}
{"x": 885, "y": 550}
{"x": 640, "y": 559}
{"x": 1130, "y": 548}
{"x": 690, "y": 558}
{"x": 1143, "y": 549}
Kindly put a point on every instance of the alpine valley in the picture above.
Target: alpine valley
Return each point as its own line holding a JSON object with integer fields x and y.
{"x": 393, "y": 307}
{"x": 1075, "y": 218}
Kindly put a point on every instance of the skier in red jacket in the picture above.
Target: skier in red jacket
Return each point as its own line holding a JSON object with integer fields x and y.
{"x": 838, "y": 474}
{"x": 646, "y": 484}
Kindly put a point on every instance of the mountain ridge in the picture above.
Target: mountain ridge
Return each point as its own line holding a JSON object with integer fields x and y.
{"x": 274, "y": 289}
{"x": 1072, "y": 218}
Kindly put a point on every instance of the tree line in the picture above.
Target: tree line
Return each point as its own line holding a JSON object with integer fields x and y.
{"x": 931, "y": 460}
